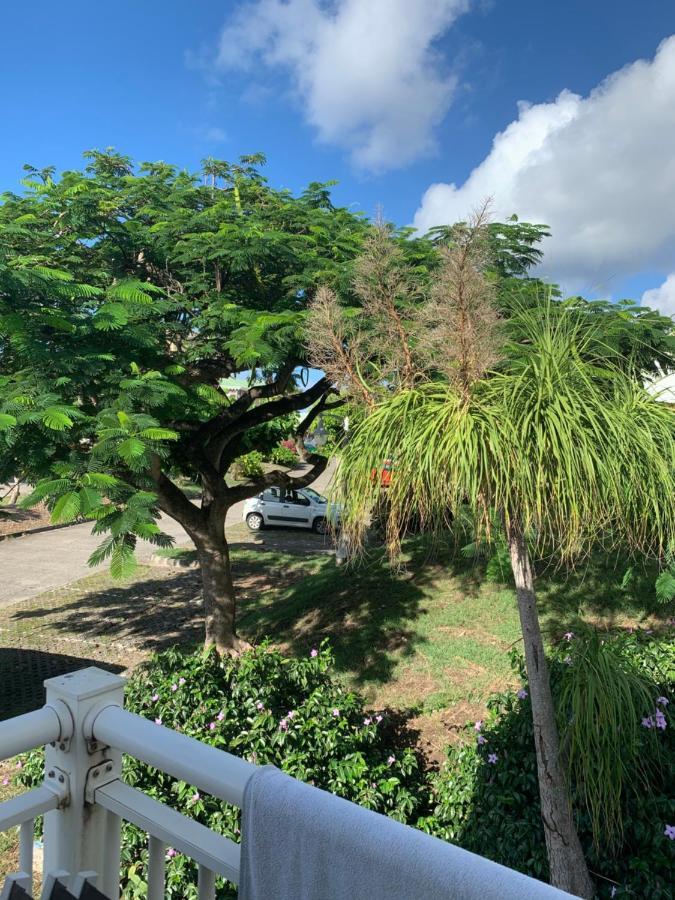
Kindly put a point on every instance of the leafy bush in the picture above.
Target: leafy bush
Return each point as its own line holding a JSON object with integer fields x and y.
{"x": 283, "y": 456}
{"x": 486, "y": 798}
{"x": 296, "y": 714}
{"x": 249, "y": 465}
{"x": 269, "y": 709}
{"x": 268, "y": 435}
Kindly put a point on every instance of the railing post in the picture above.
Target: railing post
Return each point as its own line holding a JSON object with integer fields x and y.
{"x": 81, "y": 836}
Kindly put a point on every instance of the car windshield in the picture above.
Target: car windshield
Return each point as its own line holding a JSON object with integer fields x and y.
{"x": 314, "y": 495}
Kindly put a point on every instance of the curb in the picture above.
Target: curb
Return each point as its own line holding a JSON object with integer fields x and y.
{"x": 40, "y": 530}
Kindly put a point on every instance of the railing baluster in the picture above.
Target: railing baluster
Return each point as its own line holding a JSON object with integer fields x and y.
{"x": 206, "y": 885}
{"x": 26, "y": 831}
{"x": 156, "y": 867}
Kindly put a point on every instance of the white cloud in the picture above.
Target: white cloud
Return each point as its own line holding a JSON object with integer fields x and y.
{"x": 366, "y": 71}
{"x": 600, "y": 170}
{"x": 662, "y": 297}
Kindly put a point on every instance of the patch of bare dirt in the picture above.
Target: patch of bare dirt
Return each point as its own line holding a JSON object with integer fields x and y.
{"x": 14, "y": 520}
{"x": 446, "y": 726}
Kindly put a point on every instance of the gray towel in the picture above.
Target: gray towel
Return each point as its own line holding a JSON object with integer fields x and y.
{"x": 301, "y": 843}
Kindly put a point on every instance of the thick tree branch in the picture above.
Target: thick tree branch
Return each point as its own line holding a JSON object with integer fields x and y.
{"x": 257, "y": 392}
{"x": 278, "y": 478}
{"x": 311, "y": 416}
{"x": 228, "y": 445}
{"x": 173, "y": 501}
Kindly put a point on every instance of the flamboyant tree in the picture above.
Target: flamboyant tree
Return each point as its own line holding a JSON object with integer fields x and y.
{"x": 532, "y": 425}
{"x": 127, "y": 295}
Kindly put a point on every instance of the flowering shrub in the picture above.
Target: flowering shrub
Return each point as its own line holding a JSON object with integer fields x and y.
{"x": 249, "y": 465}
{"x": 296, "y": 714}
{"x": 283, "y": 455}
{"x": 292, "y": 713}
{"x": 486, "y": 798}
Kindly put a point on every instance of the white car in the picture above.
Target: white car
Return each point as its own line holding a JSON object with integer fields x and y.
{"x": 283, "y": 506}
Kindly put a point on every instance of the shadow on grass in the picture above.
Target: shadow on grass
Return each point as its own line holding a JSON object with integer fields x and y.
{"x": 22, "y": 673}
{"x": 294, "y": 598}
{"x": 594, "y": 592}
{"x": 367, "y": 612}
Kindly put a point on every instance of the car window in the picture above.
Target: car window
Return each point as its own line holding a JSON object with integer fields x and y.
{"x": 315, "y": 495}
{"x": 296, "y": 498}
{"x": 271, "y": 495}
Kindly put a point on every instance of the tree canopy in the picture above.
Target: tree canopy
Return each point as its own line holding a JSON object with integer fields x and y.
{"x": 126, "y": 296}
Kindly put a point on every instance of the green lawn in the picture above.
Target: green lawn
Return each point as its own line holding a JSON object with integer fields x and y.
{"x": 431, "y": 639}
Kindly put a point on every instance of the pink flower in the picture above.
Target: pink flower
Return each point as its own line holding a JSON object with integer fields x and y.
{"x": 314, "y": 653}
{"x": 170, "y": 853}
{"x": 181, "y": 681}
{"x": 196, "y": 796}
{"x": 259, "y": 705}
{"x": 478, "y": 725}
{"x": 378, "y": 719}
{"x": 367, "y": 721}
{"x": 662, "y": 701}
{"x": 336, "y": 713}
{"x": 522, "y": 694}
{"x": 212, "y": 726}
{"x": 220, "y": 716}
{"x": 283, "y": 725}
{"x": 290, "y": 714}
{"x": 5, "y": 781}
{"x": 391, "y": 760}
{"x": 19, "y": 764}
{"x": 158, "y": 721}
{"x": 670, "y": 832}
{"x": 155, "y": 698}
{"x": 482, "y": 739}
{"x": 174, "y": 687}
{"x": 492, "y": 758}
{"x": 568, "y": 635}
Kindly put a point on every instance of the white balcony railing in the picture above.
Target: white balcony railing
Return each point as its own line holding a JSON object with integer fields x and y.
{"x": 85, "y": 730}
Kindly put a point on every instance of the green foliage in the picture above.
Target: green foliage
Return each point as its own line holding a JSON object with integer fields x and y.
{"x": 118, "y": 326}
{"x": 512, "y": 244}
{"x": 271, "y": 709}
{"x": 576, "y": 450}
{"x": 292, "y": 713}
{"x": 269, "y": 435}
{"x": 602, "y": 703}
{"x": 250, "y": 465}
{"x": 493, "y": 808}
{"x": 283, "y": 456}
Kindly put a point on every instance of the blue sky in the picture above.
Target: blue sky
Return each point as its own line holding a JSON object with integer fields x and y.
{"x": 389, "y": 97}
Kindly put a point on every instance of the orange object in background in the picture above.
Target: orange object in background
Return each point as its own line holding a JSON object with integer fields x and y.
{"x": 384, "y": 474}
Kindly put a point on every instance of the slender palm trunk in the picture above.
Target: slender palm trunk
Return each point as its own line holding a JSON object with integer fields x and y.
{"x": 220, "y": 607}
{"x": 566, "y": 859}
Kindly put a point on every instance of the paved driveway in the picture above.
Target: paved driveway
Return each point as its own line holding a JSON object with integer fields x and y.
{"x": 40, "y": 562}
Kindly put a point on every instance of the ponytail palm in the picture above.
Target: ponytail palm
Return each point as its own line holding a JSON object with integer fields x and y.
{"x": 566, "y": 452}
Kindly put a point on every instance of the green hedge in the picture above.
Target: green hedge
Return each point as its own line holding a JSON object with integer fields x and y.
{"x": 296, "y": 714}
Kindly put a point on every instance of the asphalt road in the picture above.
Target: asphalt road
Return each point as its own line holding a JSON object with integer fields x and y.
{"x": 35, "y": 563}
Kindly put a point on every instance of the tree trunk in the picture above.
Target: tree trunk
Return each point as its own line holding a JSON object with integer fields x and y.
{"x": 218, "y": 591}
{"x": 568, "y": 868}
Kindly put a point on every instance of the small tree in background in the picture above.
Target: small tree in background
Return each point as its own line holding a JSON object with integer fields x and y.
{"x": 126, "y": 297}
{"x": 549, "y": 436}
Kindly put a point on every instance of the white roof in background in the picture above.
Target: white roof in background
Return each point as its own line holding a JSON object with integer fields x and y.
{"x": 663, "y": 388}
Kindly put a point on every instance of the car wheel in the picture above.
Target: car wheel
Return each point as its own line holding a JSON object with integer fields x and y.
{"x": 255, "y": 521}
{"x": 320, "y": 525}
